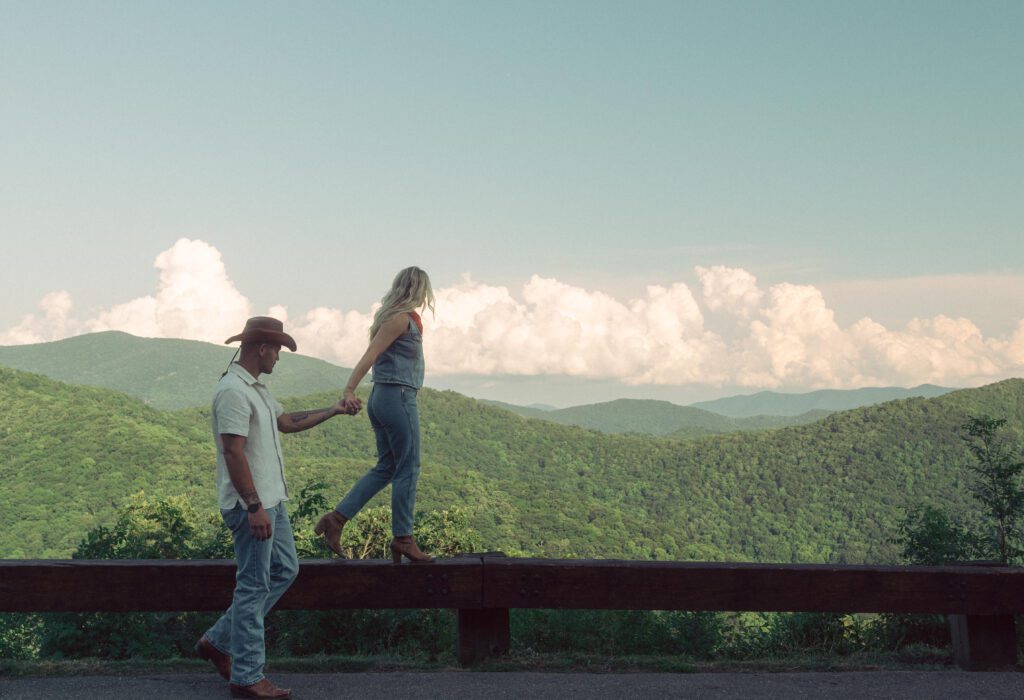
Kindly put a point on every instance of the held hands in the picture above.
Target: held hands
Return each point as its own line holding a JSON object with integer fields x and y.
{"x": 349, "y": 403}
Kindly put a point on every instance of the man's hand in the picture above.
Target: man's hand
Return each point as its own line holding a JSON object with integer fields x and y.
{"x": 259, "y": 524}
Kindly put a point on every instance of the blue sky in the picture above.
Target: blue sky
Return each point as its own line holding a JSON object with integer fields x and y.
{"x": 319, "y": 147}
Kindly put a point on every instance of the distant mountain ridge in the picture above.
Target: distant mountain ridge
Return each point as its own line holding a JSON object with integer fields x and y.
{"x": 660, "y": 418}
{"x": 162, "y": 372}
{"x": 771, "y": 403}
{"x": 174, "y": 373}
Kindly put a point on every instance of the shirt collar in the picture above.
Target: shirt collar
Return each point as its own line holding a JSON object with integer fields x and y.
{"x": 244, "y": 375}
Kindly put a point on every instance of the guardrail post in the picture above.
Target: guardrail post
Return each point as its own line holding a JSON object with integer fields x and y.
{"x": 983, "y": 642}
{"x": 483, "y": 634}
{"x": 484, "y": 631}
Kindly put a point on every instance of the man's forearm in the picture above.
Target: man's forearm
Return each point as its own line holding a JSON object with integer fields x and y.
{"x": 241, "y": 477}
{"x": 304, "y": 420}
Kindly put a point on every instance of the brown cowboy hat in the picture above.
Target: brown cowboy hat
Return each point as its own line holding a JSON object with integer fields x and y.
{"x": 264, "y": 329}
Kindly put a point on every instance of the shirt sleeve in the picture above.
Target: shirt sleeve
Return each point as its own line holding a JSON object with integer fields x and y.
{"x": 233, "y": 413}
{"x": 278, "y": 408}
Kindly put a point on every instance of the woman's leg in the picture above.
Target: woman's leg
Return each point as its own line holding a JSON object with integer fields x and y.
{"x": 379, "y": 408}
{"x": 404, "y": 438}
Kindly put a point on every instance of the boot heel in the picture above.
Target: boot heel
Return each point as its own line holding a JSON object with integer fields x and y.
{"x": 330, "y": 527}
{"x": 406, "y": 547}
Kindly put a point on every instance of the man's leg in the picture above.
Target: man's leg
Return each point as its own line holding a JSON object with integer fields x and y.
{"x": 219, "y": 635}
{"x": 284, "y": 560}
{"x": 252, "y": 586}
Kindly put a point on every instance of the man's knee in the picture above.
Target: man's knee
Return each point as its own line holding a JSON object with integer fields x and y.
{"x": 289, "y": 570}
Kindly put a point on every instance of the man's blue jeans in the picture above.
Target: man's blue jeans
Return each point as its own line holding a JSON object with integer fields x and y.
{"x": 265, "y": 570}
{"x": 396, "y": 424}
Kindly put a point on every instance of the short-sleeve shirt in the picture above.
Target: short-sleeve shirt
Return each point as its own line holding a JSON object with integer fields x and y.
{"x": 242, "y": 405}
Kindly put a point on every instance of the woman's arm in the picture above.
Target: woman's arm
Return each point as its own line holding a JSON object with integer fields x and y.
{"x": 388, "y": 333}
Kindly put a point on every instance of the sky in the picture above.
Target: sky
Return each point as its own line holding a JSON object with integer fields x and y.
{"x": 667, "y": 200}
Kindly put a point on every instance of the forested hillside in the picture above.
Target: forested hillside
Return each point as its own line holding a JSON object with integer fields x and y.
{"x": 773, "y": 403}
{"x": 163, "y": 372}
{"x": 171, "y": 373}
{"x": 648, "y": 417}
{"x": 828, "y": 491}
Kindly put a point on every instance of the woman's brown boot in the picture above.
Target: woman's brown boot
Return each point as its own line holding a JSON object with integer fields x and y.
{"x": 330, "y": 526}
{"x": 406, "y": 546}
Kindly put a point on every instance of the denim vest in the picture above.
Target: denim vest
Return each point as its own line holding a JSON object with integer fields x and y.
{"x": 402, "y": 361}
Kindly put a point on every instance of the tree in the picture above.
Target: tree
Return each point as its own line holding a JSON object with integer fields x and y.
{"x": 930, "y": 536}
{"x": 997, "y": 468}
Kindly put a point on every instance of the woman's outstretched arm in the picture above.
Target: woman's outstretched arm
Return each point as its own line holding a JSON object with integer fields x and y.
{"x": 386, "y": 334}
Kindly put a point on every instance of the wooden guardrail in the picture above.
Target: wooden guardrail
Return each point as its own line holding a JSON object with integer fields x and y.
{"x": 981, "y": 600}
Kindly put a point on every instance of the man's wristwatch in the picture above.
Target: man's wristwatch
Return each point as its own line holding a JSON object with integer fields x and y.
{"x": 254, "y": 507}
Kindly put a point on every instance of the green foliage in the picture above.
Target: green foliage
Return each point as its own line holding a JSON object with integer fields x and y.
{"x": 997, "y": 486}
{"x": 831, "y": 491}
{"x": 992, "y": 528}
{"x": 164, "y": 373}
{"x": 929, "y": 535}
{"x": 162, "y": 528}
{"x": 20, "y": 635}
{"x": 759, "y": 635}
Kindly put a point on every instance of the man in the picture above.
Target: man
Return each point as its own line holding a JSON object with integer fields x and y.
{"x": 251, "y": 489}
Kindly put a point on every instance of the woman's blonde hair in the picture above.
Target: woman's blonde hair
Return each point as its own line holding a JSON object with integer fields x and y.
{"x": 410, "y": 291}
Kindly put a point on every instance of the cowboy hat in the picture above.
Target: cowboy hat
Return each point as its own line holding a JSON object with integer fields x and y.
{"x": 264, "y": 329}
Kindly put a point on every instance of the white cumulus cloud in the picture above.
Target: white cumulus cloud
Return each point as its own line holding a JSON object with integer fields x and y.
{"x": 195, "y": 299}
{"x": 780, "y": 336}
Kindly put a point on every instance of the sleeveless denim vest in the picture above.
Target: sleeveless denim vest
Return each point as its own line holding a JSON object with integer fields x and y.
{"x": 402, "y": 361}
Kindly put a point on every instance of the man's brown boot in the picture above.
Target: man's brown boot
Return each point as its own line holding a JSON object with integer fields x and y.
{"x": 263, "y": 689}
{"x": 220, "y": 660}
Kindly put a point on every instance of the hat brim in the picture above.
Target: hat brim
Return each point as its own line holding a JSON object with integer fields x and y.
{"x": 264, "y": 336}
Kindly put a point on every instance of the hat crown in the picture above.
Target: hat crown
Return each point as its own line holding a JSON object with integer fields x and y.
{"x": 263, "y": 323}
{"x": 265, "y": 329}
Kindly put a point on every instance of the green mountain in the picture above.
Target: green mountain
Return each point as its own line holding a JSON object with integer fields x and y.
{"x": 524, "y": 411}
{"x": 827, "y": 491}
{"x": 649, "y": 417}
{"x": 171, "y": 373}
{"x": 164, "y": 373}
{"x": 734, "y": 425}
{"x": 770, "y": 403}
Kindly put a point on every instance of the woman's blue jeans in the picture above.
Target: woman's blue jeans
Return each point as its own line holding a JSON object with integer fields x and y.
{"x": 396, "y": 424}
{"x": 265, "y": 570}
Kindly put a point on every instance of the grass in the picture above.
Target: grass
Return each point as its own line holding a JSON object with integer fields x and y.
{"x": 918, "y": 659}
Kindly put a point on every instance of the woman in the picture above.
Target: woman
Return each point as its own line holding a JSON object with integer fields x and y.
{"x": 396, "y": 355}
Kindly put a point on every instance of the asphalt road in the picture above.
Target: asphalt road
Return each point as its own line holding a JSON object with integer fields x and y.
{"x": 557, "y": 686}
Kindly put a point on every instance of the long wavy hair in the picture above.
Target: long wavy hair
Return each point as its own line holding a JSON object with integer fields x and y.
{"x": 411, "y": 290}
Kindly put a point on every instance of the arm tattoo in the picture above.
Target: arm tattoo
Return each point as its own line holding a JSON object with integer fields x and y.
{"x": 303, "y": 415}
{"x": 304, "y": 420}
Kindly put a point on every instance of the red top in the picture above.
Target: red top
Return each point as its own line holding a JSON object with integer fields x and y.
{"x": 419, "y": 322}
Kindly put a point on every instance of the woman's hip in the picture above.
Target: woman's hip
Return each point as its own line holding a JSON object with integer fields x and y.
{"x": 392, "y": 405}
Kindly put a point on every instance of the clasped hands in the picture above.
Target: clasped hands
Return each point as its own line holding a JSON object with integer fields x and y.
{"x": 349, "y": 403}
